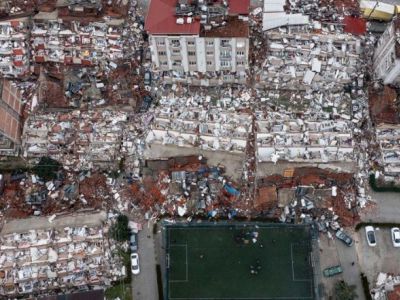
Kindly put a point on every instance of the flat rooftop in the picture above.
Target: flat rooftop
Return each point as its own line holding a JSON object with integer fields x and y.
{"x": 162, "y": 19}
{"x": 238, "y": 261}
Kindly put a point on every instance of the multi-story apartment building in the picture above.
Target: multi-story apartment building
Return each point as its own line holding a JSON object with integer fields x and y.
{"x": 387, "y": 55}
{"x": 207, "y": 37}
{"x": 10, "y": 117}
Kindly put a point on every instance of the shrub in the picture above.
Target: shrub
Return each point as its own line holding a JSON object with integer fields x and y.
{"x": 120, "y": 230}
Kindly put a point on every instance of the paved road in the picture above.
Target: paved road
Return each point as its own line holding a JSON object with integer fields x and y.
{"x": 334, "y": 252}
{"x": 382, "y": 258}
{"x": 387, "y": 208}
{"x": 144, "y": 285}
{"x": 351, "y": 273}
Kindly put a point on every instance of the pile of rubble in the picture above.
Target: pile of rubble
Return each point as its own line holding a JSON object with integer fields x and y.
{"x": 58, "y": 258}
{"x": 180, "y": 186}
{"x": 80, "y": 140}
{"x": 387, "y": 287}
{"x": 308, "y": 195}
{"x": 208, "y": 129}
{"x": 312, "y": 138}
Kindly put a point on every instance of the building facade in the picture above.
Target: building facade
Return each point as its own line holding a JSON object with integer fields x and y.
{"x": 387, "y": 55}
{"x": 209, "y": 38}
{"x": 10, "y": 118}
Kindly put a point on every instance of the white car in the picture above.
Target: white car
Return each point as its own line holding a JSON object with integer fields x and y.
{"x": 135, "y": 263}
{"x": 370, "y": 233}
{"x": 395, "y": 236}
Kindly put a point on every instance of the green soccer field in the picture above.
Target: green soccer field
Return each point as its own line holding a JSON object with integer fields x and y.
{"x": 223, "y": 262}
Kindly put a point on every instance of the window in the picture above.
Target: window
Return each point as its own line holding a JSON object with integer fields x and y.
{"x": 190, "y": 43}
{"x": 175, "y": 51}
{"x": 175, "y": 43}
{"x": 227, "y": 77}
{"x": 162, "y": 53}
{"x": 240, "y": 53}
{"x": 177, "y": 63}
{"x": 210, "y": 43}
{"x": 164, "y": 63}
{"x": 160, "y": 42}
{"x": 225, "y": 63}
{"x": 191, "y": 53}
{"x": 224, "y": 43}
{"x": 192, "y": 63}
{"x": 240, "y": 63}
{"x": 210, "y": 53}
{"x": 225, "y": 53}
{"x": 209, "y": 63}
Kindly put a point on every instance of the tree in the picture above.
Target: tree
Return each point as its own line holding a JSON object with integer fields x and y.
{"x": 120, "y": 230}
{"x": 343, "y": 291}
{"x": 47, "y": 168}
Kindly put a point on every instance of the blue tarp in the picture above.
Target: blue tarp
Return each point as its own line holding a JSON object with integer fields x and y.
{"x": 231, "y": 190}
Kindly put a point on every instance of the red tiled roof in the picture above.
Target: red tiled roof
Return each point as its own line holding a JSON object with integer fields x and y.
{"x": 239, "y": 7}
{"x": 161, "y": 19}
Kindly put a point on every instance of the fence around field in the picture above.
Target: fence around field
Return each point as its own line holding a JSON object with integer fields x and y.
{"x": 314, "y": 255}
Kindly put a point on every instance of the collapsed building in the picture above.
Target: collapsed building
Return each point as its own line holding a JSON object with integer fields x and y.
{"x": 385, "y": 116}
{"x": 208, "y": 129}
{"x": 80, "y": 139}
{"x": 60, "y": 38}
{"x": 50, "y": 256}
{"x": 201, "y": 42}
{"x": 14, "y": 47}
{"x": 281, "y": 136}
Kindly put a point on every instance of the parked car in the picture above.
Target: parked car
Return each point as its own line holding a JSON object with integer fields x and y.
{"x": 135, "y": 263}
{"x": 370, "y": 233}
{"x": 344, "y": 237}
{"x": 146, "y": 103}
{"x": 147, "y": 78}
{"x": 133, "y": 242}
{"x": 332, "y": 271}
{"x": 395, "y": 236}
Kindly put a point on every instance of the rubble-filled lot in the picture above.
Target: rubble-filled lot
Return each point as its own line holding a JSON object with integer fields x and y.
{"x": 294, "y": 141}
{"x": 56, "y": 256}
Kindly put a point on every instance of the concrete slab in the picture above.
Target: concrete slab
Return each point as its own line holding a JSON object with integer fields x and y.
{"x": 19, "y": 226}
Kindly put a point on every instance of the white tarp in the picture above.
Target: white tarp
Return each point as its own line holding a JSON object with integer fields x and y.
{"x": 274, "y": 5}
{"x": 278, "y": 19}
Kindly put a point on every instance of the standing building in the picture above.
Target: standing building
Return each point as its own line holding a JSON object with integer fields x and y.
{"x": 387, "y": 55}
{"x": 201, "y": 42}
{"x": 10, "y": 117}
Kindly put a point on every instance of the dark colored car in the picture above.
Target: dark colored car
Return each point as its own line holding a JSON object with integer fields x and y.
{"x": 146, "y": 103}
{"x": 133, "y": 242}
{"x": 344, "y": 237}
{"x": 332, "y": 271}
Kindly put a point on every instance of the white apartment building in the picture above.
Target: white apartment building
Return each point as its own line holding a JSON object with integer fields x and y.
{"x": 208, "y": 37}
{"x": 387, "y": 55}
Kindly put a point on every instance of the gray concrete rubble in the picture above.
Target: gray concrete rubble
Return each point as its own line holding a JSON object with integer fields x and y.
{"x": 57, "y": 257}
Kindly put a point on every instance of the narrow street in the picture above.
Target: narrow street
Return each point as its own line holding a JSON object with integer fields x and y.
{"x": 144, "y": 285}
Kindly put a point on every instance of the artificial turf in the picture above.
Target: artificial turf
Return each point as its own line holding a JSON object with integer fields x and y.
{"x": 215, "y": 262}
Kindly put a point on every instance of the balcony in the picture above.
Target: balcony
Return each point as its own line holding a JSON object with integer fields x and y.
{"x": 176, "y": 45}
{"x": 225, "y": 56}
